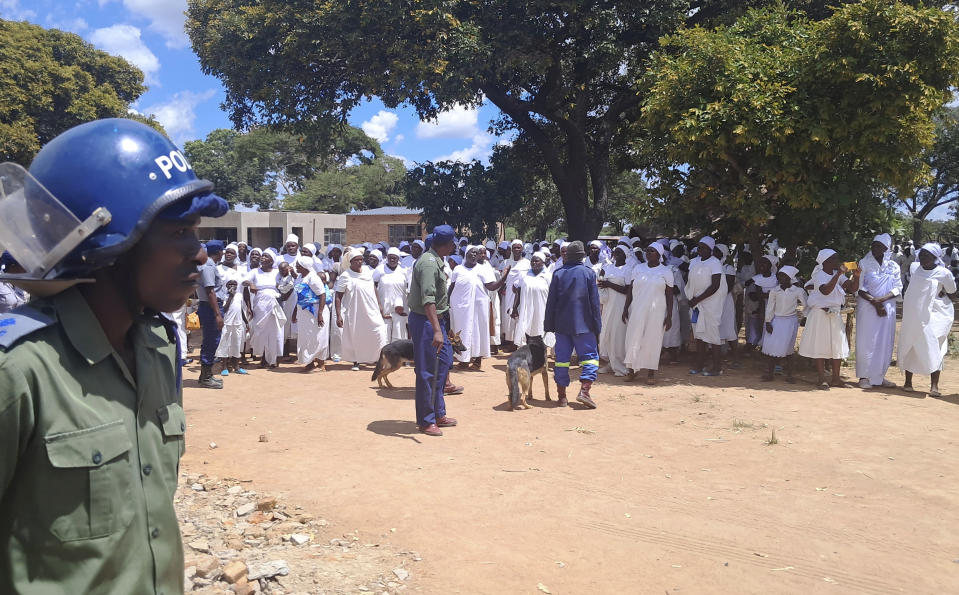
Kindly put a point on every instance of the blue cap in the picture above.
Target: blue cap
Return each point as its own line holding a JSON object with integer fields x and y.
{"x": 429, "y": 242}
{"x": 214, "y": 247}
{"x": 7, "y": 259}
{"x": 443, "y": 234}
{"x": 457, "y": 259}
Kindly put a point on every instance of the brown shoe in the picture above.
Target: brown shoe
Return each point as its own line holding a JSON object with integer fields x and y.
{"x": 431, "y": 430}
{"x": 452, "y": 389}
{"x": 561, "y": 394}
{"x": 446, "y": 422}
{"x": 583, "y": 396}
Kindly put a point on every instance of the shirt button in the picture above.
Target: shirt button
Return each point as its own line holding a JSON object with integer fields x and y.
{"x": 182, "y": 426}
{"x": 147, "y": 469}
{"x": 97, "y": 457}
{"x": 155, "y": 533}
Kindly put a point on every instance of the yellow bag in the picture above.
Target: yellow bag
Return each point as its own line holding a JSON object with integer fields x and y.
{"x": 192, "y": 321}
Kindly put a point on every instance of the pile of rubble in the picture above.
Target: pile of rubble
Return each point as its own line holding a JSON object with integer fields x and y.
{"x": 238, "y": 542}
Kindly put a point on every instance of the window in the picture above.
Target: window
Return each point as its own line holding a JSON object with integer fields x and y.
{"x": 405, "y": 233}
{"x": 334, "y": 235}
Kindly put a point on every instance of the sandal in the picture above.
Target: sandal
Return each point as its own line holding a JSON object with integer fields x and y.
{"x": 823, "y": 385}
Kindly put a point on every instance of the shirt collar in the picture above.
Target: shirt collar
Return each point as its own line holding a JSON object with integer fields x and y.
{"x": 81, "y": 326}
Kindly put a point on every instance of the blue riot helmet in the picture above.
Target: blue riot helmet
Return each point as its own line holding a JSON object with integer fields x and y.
{"x": 92, "y": 192}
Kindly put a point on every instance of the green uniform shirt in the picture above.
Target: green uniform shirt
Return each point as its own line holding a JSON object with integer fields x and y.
{"x": 89, "y": 457}
{"x": 428, "y": 285}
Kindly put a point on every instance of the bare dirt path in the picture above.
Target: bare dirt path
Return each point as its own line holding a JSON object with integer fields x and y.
{"x": 671, "y": 488}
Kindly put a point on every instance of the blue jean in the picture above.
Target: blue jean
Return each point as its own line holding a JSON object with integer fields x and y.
{"x": 211, "y": 334}
{"x": 585, "y": 345}
{"x": 424, "y": 360}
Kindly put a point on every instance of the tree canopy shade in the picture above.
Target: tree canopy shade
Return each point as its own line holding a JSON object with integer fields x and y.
{"x": 562, "y": 73}
{"x": 51, "y": 81}
{"x": 793, "y": 125}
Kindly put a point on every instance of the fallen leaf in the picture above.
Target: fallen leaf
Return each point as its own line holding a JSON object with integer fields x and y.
{"x": 543, "y": 588}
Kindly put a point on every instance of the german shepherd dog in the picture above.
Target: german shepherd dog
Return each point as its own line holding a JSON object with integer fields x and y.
{"x": 395, "y": 354}
{"x": 522, "y": 365}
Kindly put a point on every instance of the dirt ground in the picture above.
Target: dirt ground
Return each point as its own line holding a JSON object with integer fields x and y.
{"x": 672, "y": 488}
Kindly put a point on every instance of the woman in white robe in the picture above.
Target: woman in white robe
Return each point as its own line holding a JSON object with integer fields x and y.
{"x": 513, "y": 268}
{"x": 613, "y": 284}
{"x": 334, "y": 255}
{"x": 391, "y": 290}
{"x": 649, "y": 310}
{"x": 706, "y": 290}
{"x": 358, "y": 312}
{"x": 469, "y": 311}
{"x": 285, "y": 282}
{"x": 312, "y": 328}
{"x": 824, "y": 336}
{"x": 728, "y": 330}
{"x": 529, "y": 306}
{"x": 673, "y": 337}
{"x": 489, "y": 274}
{"x": 757, "y": 293}
{"x": 266, "y": 328}
{"x": 927, "y": 315}
{"x": 881, "y": 283}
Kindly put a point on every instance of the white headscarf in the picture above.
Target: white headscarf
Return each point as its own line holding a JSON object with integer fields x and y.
{"x": 934, "y": 249}
{"x": 394, "y": 252}
{"x": 292, "y": 238}
{"x": 884, "y": 239}
{"x": 790, "y": 271}
{"x": 304, "y": 261}
{"x": 658, "y": 247}
{"x": 708, "y": 241}
{"x": 824, "y": 255}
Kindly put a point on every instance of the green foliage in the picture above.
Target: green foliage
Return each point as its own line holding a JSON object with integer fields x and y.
{"x": 790, "y": 125}
{"x": 238, "y": 164}
{"x": 51, "y": 81}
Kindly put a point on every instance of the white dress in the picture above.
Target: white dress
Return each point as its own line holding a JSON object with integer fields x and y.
{"x": 727, "y": 324}
{"x": 284, "y": 284}
{"x": 612, "y": 337}
{"x": 515, "y": 273}
{"x": 706, "y": 327}
{"x": 469, "y": 312}
{"x": 755, "y": 316}
{"x": 533, "y": 291}
{"x": 312, "y": 340}
{"x": 336, "y": 333}
{"x": 782, "y": 311}
{"x": 674, "y": 336}
{"x": 824, "y": 336}
{"x": 364, "y": 330}
{"x": 876, "y": 335}
{"x": 926, "y": 320}
{"x": 490, "y": 275}
{"x": 647, "y": 316}
{"x": 233, "y": 334}
{"x": 392, "y": 293}
{"x": 268, "y": 316}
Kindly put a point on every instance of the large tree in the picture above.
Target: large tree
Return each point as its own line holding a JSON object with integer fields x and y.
{"x": 562, "y": 73}
{"x": 240, "y": 165}
{"x": 51, "y": 81}
{"x": 784, "y": 124}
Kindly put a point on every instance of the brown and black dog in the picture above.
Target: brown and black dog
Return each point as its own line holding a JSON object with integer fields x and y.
{"x": 395, "y": 354}
{"x": 522, "y": 365}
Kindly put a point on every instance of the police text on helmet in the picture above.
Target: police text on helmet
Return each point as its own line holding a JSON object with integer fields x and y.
{"x": 175, "y": 159}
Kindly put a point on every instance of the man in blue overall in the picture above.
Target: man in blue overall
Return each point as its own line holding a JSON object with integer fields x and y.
{"x": 429, "y": 323}
{"x": 572, "y": 313}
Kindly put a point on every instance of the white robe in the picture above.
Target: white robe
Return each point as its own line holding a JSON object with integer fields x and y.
{"x": 706, "y": 327}
{"x": 469, "y": 312}
{"x": 515, "y": 273}
{"x": 647, "y": 316}
{"x": 392, "y": 293}
{"x": 233, "y": 334}
{"x": 612, "y": 337}
{"x": 926, "y": 320}
{"x": 490, "y": 275}
{"x": 312, "y": 340}
{"x": 364, "y": 330}
{"x": 268, "y": 317}
{"x": 533, "y": 292}
{"x": 283, "y": 285}
{"x": 824, "y": 336}
{"x": 876, "y": 335}
{"x": 674, "y": 336}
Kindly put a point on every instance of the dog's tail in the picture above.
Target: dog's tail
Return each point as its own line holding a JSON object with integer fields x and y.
{"x": 378, "y": 368}
{"x": 512, "y": 378}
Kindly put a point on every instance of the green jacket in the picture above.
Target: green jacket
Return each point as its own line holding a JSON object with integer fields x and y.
{"x": 429, "y": 284}
{"x": 89, "y": 455}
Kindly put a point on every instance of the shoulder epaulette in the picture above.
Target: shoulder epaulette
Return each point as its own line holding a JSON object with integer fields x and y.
{"x": 20, "y": 323}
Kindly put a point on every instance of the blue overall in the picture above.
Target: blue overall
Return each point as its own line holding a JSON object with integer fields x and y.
{"x": 585, "y": 344}
{"x": 211, "y": 334}
{"x": 424, "y": 360}
{"x": 573, "y": 314}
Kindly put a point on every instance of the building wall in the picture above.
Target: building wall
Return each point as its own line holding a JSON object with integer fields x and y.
{"x": 375, "y": 228}
{"x": 264, "y": 228}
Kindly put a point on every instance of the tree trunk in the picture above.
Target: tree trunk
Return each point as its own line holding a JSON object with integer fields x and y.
{"x": 917, "y": 231}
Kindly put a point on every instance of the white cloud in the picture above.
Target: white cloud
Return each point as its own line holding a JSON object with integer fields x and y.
{"x": 481, "y": 149}
{"x": 124, "y": 40}
{"x": 459, "y": 122}
{"x": 10, "y": 9}
{"x": 166, "y": 18}
{"x": 381, "y": 125}
{"x": 399, "y": 138}
{"x": 179, "y": 114}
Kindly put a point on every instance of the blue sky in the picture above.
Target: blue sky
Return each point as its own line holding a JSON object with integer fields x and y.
{"x": 149, "y": 33}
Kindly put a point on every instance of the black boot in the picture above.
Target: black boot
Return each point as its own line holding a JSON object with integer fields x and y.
{"x": 206, "y": 378}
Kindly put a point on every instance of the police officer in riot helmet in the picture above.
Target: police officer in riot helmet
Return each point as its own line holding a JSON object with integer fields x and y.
{"x": 91, "y": 417}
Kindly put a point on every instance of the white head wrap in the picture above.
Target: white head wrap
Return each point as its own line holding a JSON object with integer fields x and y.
{"x": 708, "y": 241}
{"x": 490, "y": 245}
{"x": 773, "y": 260}
{"x": 790, "y": 271}
{"x": 311, "y": 248}
{"x": 516, "y": 243}
{"x": 304, "y": 261}
{"x": 394, "y": 252}
{"x": 824, "y": 255}
{"x": 884, "y": 239}
{"x": 351, "y": 253}
{"x": 257, "y": 250}
{"x": 233, "y": 247}
{"x": 292, "y": 238}
{"x": 420, "y": 243}
{"x": 724, "y": 249}
{"x": 596, "y": 243}
{"x": 934, "y": 249}
{"x": 377, "y": 254}
{"x": 673, "y": 244}
{"x": 242, "y": 242}
{"x": 658, "y": 247}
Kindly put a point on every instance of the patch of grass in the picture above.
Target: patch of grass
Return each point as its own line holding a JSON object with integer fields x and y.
{"x": 953, "y": 344}
{"x": 741, "y": 425}
{"x": 772, "y": 439}
{"x": 696, "y": 399}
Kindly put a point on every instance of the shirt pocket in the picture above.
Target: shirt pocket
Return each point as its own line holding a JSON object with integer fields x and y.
{"x": 90, "y": 491}
{"x": 173, "y": 425}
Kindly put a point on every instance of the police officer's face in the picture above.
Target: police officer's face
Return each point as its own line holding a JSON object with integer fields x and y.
{"x": 165, "y": 264}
